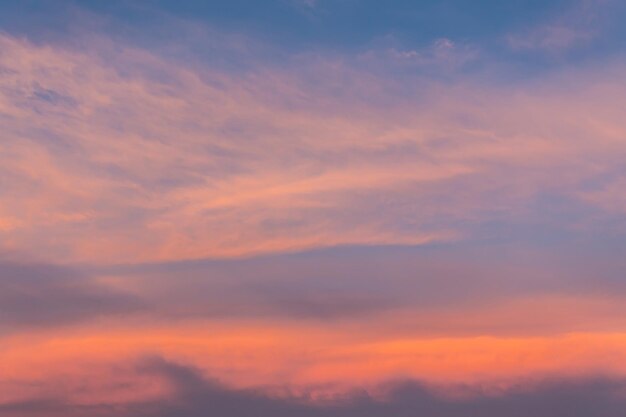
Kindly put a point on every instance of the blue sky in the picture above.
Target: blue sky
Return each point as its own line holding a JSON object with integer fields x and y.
{"x": 512, "y": 40}
{"x": 335, "y": 24}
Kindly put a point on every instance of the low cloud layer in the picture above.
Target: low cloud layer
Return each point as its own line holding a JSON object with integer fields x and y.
{"x": 192, "y": 395}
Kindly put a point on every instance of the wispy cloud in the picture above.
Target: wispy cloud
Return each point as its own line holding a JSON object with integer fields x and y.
{"x": 180, "y": 162}
{"x": 580, "y": 26}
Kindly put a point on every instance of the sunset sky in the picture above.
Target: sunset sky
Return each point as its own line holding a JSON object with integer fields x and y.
{"x": 312, "y": 208}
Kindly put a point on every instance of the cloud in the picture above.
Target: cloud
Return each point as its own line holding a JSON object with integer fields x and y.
{"x": 497, "y": 288}
{"x": 579, "y": 26}
{"x": 42, "y": 295}
{"x": 193, "y": 395}
{"x": 115, "y": 153}
{"x": 306, "y": 225}
{"x": 551, "y": 38}
{"x": 433, "y": 291}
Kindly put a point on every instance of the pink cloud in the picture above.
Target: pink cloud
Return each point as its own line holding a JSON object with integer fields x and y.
{"x": 134, "y": 157}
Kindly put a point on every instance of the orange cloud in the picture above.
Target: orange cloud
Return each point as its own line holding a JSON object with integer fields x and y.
{"x": 91, "y": 365}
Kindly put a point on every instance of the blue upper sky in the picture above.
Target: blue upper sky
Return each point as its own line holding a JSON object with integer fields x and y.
{"x": 315, "y": 23}
{"x": 523, "y": 37}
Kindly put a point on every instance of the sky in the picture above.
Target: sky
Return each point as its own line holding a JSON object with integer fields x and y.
{"x": 312, "y": 208}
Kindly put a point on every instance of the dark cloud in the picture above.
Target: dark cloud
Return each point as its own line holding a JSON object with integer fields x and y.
{"x": 47, "y": 295}
{"x": 348, "y": 283}
{"x": 45, "y": 95}
{"x": 195, "y": 396}
{"x": 334, "y": 284}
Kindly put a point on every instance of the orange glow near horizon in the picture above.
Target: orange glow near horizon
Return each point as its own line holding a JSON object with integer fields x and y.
{"x": 300, "y": 359}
